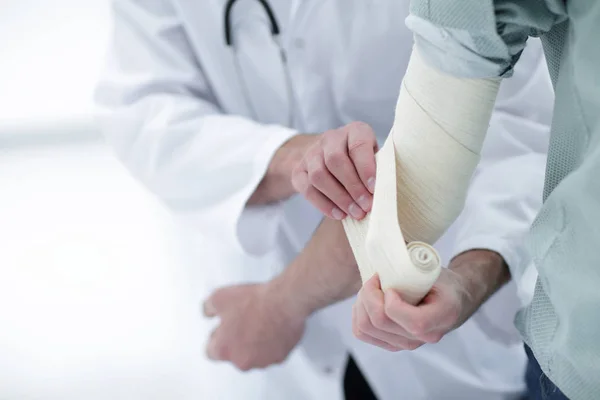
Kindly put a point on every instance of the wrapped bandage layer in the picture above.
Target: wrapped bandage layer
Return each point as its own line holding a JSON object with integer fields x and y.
{"x": 423, "y": 173}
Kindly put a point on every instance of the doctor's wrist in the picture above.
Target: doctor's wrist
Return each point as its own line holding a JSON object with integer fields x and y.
{"x": 277, "y": 185}
{"x": 289, "y": 155}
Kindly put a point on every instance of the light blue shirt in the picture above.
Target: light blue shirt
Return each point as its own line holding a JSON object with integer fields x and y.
{"x": 477, "y": 39}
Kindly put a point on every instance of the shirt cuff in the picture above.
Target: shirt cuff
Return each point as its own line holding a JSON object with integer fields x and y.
{"x": 256, "y": 227}
{"x": 247, "y": 230}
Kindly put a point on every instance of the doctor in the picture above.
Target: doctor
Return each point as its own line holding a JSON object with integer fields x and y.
{"x": 211, "y": 105}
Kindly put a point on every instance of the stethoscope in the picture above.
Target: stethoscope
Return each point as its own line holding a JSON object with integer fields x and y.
{"x": 275, "y": 35}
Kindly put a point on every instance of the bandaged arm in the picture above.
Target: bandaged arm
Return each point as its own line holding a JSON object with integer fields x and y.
{"x": 497, "y": 214}
{"x": 446, "y": 97}
{"x": 423, "y": 174}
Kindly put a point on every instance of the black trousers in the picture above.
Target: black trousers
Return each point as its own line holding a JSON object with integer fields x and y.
{"x": 355, "y": 384}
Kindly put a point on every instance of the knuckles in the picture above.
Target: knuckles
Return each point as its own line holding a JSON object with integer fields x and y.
{"x": 297, "y": 184}
{"x": 359, "y": 334}
{"x": 363, "y": 324}
{"x": 360, "y": 127}
{"x": 358, "y": 145}
{"x": 390, "y": 306}
{"x": 244, "y": 363}
{"x": 249, "y": 361}
{"x": 318, "y": 175}
{"x": 242, "y": 360}
{"x": 379, "y": 318}
{"x": 412, "y": 346}
{"x": 434, "y": 338}
{"x": 335, "y": 159}
{"x": 220, "y": 351}
{"x": 417, "y": 328}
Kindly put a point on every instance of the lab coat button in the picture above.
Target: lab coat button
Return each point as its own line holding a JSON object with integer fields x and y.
{"x": 299, "y": 43}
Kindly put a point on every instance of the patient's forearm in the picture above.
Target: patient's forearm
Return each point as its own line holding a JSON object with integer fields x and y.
{"x": 324, "y": 273}
{"x": 483, "y": 273}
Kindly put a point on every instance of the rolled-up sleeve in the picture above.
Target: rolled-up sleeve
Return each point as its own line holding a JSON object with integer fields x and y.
{"x": 479, "y": 38}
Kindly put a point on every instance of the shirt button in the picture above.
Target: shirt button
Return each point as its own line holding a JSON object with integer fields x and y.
{"x": 299, "y": 43}
{"x": 445, "y": 34}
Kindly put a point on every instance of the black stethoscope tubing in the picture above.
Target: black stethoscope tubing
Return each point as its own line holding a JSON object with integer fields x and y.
{"x": 275, "y": 33}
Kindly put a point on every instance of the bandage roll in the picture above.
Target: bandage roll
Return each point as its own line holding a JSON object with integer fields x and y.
{"x": 423, "y": 173}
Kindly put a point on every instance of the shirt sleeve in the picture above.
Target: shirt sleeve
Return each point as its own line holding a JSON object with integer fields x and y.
{"x": 476, "y": 38}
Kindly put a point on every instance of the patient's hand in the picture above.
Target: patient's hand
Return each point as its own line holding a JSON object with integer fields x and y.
{"x": 337, "y": 173}
{"x": 259, "y": 325}
{"x": 386, "y": 321}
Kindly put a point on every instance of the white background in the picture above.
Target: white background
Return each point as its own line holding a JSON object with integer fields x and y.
{"x": 100, "y": 290}
{"x": 99, "y": 293}
{"x": 94, "y": 290}
{"x": 50, "y": 56}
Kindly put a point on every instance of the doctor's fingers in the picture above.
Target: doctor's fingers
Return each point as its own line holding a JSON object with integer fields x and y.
{"x": 362, "y": 146}
{"x": 338, "y": 162}
{"x": 316, "y": 198}
{"x": 323, "y": 180}
{"x": 363, "y": 329}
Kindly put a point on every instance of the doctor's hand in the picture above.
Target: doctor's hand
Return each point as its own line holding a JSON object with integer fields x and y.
{"x": 337, "y": 173}
{"x": 386, "y": 321}
{"x": 258, "y": 326}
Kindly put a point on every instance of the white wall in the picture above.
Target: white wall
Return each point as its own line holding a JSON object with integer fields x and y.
{"x": 98, "y": 298}
{"x": 50, "y": 56}
{"x": 100, "y": 292}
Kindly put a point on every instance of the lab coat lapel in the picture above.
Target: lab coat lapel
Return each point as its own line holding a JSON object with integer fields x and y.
{"x": 208, "y": 20}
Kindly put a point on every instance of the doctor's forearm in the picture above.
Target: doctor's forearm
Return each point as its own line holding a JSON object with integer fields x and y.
{"x": 324, "y": 273}
{"x": 277, "y": 182}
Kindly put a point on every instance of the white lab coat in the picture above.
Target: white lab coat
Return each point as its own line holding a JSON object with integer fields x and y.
{"x": 181, "y": 123}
